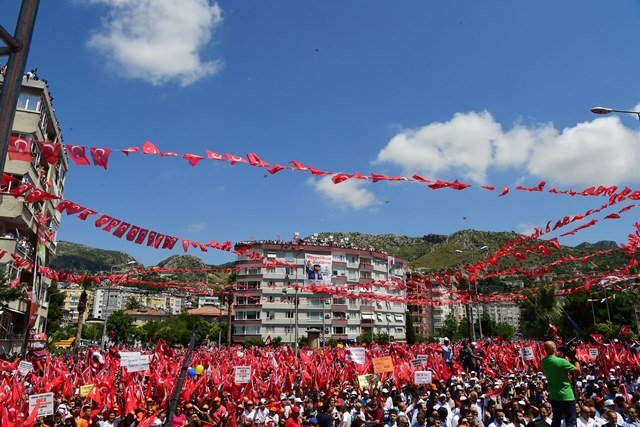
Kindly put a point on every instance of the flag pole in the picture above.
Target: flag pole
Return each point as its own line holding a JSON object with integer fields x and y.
{"x": 173, "y": 403}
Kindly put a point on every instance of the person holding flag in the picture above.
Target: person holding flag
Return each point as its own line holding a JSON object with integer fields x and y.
{"x": 561, "y": 394}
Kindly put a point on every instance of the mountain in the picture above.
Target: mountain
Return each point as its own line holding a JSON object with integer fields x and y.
{"x": 79, "y": 258}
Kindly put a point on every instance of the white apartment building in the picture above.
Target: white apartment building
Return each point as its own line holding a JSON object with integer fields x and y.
{"x": 265, "y": 297}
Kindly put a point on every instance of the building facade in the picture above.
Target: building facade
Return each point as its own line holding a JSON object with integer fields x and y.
{"x": 72, "y": 292}
{"x": 35, "y": 120}
{"x": 110, "y": 299}
{"x": 265, "y": 301}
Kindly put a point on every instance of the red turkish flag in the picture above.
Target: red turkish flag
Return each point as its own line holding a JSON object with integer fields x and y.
{"x": 185, "y": 245}
{"x": 103, "y": 220}
{"x": 505, "y": 191}
{"x": 378, "y": 177}
{"x": 20, "y": 149}
{"x": 121, "y": 229}
{"x": 488, "y": 187}
{"x": 299, "y": 166}
{"x": 114, "y": 222}
{"x": 612, "y": 216}
{"x": 149, "y": 148}
{"x": 37, "y": 195}
{"x": 85, "y": 213}
{"x": 100, "y": 156}
{"x": 7, "y": 179}
{"x": 152, "y": 238}
{"x": 20, "y": 190}
{"x": 446, "y": 278}
{"x": 78, "y": 155}
{"x": 340, "y": 177}
{"x": 543, "y": 249}
{"x": 50, "y": 151}
{"x": 214, "y": 156}
{"x": 133, "y": 233}
{"x": 233, "y": 159}
{"x": 275, "y": 169}
{"x": 126, "y": 151}
{"x": 193, "y": 159}
{"x": 254, "y": 160}
{"x": 169, "y": 242}
{"x": 158, "y": 240}
{"x": 169, "y": 154}
{"x": 420, "y": 178}
{"x": 142, "y": 234}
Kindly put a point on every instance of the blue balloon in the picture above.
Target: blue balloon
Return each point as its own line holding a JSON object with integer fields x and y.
{"x": 191, "y": 372}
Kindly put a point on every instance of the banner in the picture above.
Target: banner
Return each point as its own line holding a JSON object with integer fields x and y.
{"x": 527, "y": 353}
{"x": 86, "y": 389}
{"x": 357, "y": 355}
{"x": 46, "y": 404}
{"x": 416, "y": 363}
{"x": 369, "y": 381}
{"x": 25, "y": 367}
{"x": 318, "y": 268}
{"x": 382, "y": 364}
{"x": 422, "y": 377}
{"x": 242, "y": 375}
{"x": 134, "y": 361}
{"x": 593, "y": 352}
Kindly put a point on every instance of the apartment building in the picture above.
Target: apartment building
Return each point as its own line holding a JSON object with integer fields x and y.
{"x": 72, "y": 292}
{"x": 110, "y": 299}
{"x": 35, "y": 120}
{"x": 265, "y": 302}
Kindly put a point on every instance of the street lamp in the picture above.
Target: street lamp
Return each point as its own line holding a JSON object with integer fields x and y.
{"x": 106, "y": 308}
{"x": 606, "y": 110}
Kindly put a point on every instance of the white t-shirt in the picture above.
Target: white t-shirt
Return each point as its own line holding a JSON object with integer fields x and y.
{"x": 345, "y": 420}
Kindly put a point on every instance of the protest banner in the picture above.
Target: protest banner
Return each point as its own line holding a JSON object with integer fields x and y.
{"x": 86, "y": 389}
{"x": 45, "y": 400}
{"x": 382, "y": 364}
{"x": 527, "y": 353}
{"x": 422, "y": 377}
{"x": 357, "y": 355}
{"x": 369, "y": 381}
{"x": 242, "y": 374}
{"x": 593, "y": 352}
{"x": 25, "y": 367}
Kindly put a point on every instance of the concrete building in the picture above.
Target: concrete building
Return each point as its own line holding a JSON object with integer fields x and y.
{"x": 142, "y": 316}
{"x": 35, "y": 120}
{"x": 107, "y": 300}
{"x": 265, "y": 297}
{"x": 499, "y": 311}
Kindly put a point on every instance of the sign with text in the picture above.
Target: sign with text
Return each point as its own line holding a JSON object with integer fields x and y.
{"x": 369, "y": 381}
{"x": 527, "y": 353}
{"x": 243, "y": 374}
{"x": 417, "y": 363}
{"x": 318, "y": 268}
{"x": 86, "y": 389}
{"x": 422, "y": 357}
{"x": 382, "y": 364}
{"x": 593, "y": 352}
{"x": 45, "y": 401}
{"x": 25, "y": 367}
{"x": 134, "y": 361}
{"x": 422, "y": 377}
{"x": 357, "y": 355}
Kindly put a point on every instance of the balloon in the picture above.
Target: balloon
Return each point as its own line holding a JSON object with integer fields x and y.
{"x": 191, "y": 372}
{"x": 199, "y": 369}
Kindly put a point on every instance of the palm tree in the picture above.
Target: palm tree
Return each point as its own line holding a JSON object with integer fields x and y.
{"x": 86, "y": 284}
{"x": 231, "y": 280}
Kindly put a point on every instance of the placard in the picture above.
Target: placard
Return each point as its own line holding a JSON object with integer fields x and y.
{"x": 243, "y": 374}
{"x": 527, "y": 353}
{"x": 382, "y": 364}
{"x": 357, "y": 355}
{"x": 86, "y": 389}
{"x": 25, "y": 367}
{"x": 417, "y": 363}
{"x": 140, "y": 364}
{"x": 127, "y": 356}
{"x": 46, "y": 404}
{"x": 422, "y": 357}
{"x": 593, "y": 352}
{"x": 422, "y": 377}
{"x": 369, "y": 381}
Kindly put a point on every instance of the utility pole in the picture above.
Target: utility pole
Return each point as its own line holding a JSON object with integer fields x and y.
{"x": 173, "y": 403}
{"x": 18, "y": 51}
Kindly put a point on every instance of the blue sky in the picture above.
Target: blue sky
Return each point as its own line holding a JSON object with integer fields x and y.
{"x": 488, "y": 92}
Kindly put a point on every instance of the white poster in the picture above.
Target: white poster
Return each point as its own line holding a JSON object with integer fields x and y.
{"x": 46, "y": 404}
{"x": 243, "y": 374}
{"x": 25, "y": 367}
{"x": 422, "y": 357}
{"x": 422, "y": 377}
{"x": 134, "y": 361}
{"x": 527, "y": 353}
{"x": 417, "y": 363}
{"x": 593, "y": 352}
{"x": 357, "y": 355}
{"x": 318, "y": 267}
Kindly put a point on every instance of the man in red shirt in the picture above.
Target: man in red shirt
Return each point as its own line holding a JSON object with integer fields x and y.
{"x": 294, "y": 418}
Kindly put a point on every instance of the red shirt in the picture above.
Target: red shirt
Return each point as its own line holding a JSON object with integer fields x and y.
{"x": 291, "y": 422}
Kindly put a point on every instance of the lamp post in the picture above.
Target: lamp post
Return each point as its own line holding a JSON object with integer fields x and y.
{"x": 484, "y": 248}
{"x": 606, "y": 110}
{"x": 104, "y": 324}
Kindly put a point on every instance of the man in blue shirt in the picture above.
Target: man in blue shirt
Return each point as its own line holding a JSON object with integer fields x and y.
{"x": 313, "y": 273}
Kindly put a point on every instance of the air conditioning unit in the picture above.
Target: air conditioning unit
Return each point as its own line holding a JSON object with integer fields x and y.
{"x": 348, "y": 317}
{"x": 327, "y": 316}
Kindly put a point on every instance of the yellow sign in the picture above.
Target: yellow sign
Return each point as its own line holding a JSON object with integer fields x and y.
{"x": 382, "y": 364}
{"x": 369, "y": 381}
{"x": 86, "y": 389}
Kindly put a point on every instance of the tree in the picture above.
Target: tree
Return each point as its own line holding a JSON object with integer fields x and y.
{"x": 608, "y": 330}
{"x": 411, "y": 330}
{"x": 132, "y": 304}
{"x": 504, "y": 330}
{"x": 450, "y": 328}
{"x": 488, "y": 326}
{"x": 56, "y": 311}
{"x": 366, "y": 337}
{"x": 381, "y": 337}
{"x": 86, "y": 284}
{"x": 540, "y": 308}
{"x": 121, "y": 325}
{"x": 178, "y": 329}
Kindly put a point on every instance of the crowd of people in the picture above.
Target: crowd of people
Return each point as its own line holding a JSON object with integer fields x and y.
{"x": 486, "y": 385}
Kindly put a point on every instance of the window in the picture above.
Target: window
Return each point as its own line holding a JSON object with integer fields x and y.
{"x": 288, "y": 256}
{"x": 288, "y": 270}
{"x": 242, "y": 300}
{"x": 270, "y": 315}
{"x": 247, "y": 315}
{"x": 315, "y": 302}
{"x": 379, "y": 317}
{"x": 339, "y": 301}
{"x": 271, "y": 298}
{"x": 271, "y": 329}
{"x": 247, "y": 330}
{"x": 252, "y": 271}
{"x": 287, "y": 330}
{"x": 29, "y": 102}
{"x": 353, "y": 303}
{"x": 270, "y": 270}
{"x": 339, "y": 315}
{"x": 339, "y": 330}
{"x": 353, "y": 329}
{"x": 399, "y": 330}
{"x": 314, "y": 316}
{"x": 289, "y": 314}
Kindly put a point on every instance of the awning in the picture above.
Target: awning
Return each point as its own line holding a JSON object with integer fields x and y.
{"x": 366, "y": 316}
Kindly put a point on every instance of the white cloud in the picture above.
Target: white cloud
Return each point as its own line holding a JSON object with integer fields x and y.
{"x": 348, "y": 193}
{"x": 601, "y": 151}
{"x": 526, "y": 229}
{"x": 158, "y": 40}
{"x": 195, "y": 228}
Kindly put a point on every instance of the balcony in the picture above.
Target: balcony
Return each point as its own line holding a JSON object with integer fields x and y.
{"x": 16, "y": 212}
{"x": 11, "y": 245}
{"x": 340, "y": 337}
{"x": 339, "y": 322}
{"x": 366, "y": 266}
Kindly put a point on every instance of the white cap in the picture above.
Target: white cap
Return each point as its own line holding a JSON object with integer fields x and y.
{"x": 522, "y": 402}
{"x": 579, "y": 383}
{"x": 385, "y": 390}
{"x": 608, "y": 402}
{"x": 263, "y": 401}
{"x": 298, "y": 400}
